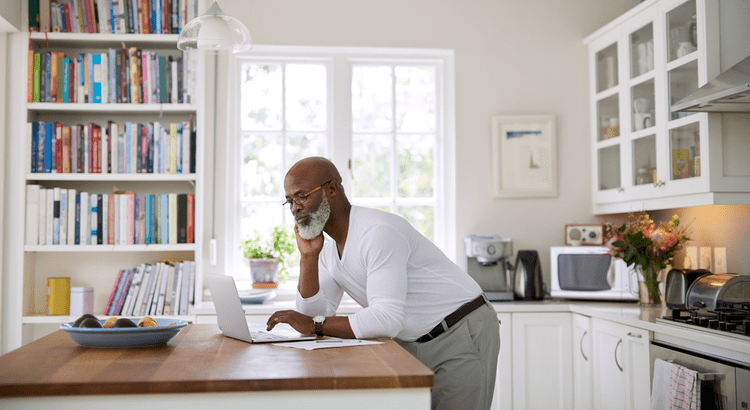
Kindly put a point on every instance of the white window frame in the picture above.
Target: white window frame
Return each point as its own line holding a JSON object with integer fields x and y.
{"x": 340, "y": 60}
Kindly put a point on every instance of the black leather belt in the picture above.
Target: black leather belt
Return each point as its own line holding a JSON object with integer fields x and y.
{"x": 453, "y": 318}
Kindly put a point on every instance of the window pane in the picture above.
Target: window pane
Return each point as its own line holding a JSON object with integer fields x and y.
{"x": 305, "y": 97}
{"x": 415, "y": 98}
{"x": 303, "y": 146}
{"x": 371, "y": 99}
{"x": 261, "y": 172}
{"x": 421, "y": 217}
{"x": 372, "y": 166}
{"x": 260, "y": 95}
{"x": 259, "y": 217}
{"x": 415, "y": 165}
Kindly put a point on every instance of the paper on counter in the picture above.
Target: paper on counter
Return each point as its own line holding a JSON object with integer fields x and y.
{"x": 327, "y": 343}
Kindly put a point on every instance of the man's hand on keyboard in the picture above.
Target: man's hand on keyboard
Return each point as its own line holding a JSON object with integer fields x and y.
{"x": 301, "y": 323}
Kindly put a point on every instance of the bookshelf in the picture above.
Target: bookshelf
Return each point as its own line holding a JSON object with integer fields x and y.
{"x": 96, "y": 266}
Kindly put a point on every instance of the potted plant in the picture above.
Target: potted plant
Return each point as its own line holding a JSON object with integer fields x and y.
{"x": 268, "y": 257}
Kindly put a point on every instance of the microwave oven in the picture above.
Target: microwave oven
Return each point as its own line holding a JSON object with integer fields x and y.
{"x": 589, "y": 272}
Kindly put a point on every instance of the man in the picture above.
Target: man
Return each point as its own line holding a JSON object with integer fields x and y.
{"x": 409, "y": 289}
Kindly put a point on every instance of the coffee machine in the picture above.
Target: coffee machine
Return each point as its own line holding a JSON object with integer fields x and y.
{"x": 486, "y": 262}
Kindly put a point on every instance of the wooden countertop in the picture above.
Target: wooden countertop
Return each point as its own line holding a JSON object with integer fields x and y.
{"x": 201, "y": 359}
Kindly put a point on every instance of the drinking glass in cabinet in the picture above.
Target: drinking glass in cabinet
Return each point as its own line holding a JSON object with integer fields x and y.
{"x": 606, "y": 68}
{"x": 642, "y": 105}
{"x": 683, "y": 80}
{"x": 685, "y": 151}
{"x": 609, "y": 167}
{"x": 609, "y": 120}
{"x": 644, "y": 160}
{"x": 642, "y": 51}
{"x": 681, "y": 30}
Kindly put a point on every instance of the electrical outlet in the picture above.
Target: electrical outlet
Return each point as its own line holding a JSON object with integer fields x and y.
{"x": 720, "y": 260}
{"x": 691, "y": 258}
{"x": 704, "y": 259}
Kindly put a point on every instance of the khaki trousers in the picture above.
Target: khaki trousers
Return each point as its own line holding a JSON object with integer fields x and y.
{"x": 464, "y": 360}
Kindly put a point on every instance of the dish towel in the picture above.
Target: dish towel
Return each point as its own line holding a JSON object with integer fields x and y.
{"x": 675, "y": 387}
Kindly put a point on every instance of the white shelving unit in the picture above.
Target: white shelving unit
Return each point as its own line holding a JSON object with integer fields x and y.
{"x": 644, "y": 156}
{"x": 96, "y": 266}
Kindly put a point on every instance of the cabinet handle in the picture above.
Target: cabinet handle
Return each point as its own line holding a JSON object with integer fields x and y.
{"x": 581, "y": 346}
{"x": 658, "y": 184}
{"x": 620, "y": 189}
{"x": 619, "y": 342}
{"x": 633, "y": 335}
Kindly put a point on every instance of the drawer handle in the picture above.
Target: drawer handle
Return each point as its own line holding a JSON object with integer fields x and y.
{"x": 619, "y": 342}
{"x": 637, "y": 336}
{"x": 581, "y": 346}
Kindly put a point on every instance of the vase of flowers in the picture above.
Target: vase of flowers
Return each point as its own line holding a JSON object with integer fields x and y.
{"x": 647, "y": 248}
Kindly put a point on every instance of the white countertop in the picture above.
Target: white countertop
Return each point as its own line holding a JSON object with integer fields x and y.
{"x": 626, "y": 313}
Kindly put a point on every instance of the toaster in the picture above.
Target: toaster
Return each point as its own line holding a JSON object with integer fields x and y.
{"x": 677, "y": 285}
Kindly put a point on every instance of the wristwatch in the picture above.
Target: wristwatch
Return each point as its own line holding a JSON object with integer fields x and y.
{"x": 318, "y": 320}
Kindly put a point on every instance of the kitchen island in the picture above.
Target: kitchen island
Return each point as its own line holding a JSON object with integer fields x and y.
{"x": 200, "y": 368}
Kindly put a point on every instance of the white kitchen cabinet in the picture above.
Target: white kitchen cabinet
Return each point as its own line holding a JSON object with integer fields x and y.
{"x": 644, "y": 156}
{"x": 582, "y": 363}
{"x": 503, "y": 398}
{"x": 621, "y": 375}
{"x": 542, "y": 361}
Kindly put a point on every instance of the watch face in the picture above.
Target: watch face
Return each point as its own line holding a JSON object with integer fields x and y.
{"x": 319, "y": 319}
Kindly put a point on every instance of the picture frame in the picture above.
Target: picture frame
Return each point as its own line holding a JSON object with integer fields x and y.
{"x": 524, "y": 156}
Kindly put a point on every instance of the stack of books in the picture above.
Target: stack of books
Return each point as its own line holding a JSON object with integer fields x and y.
{"x": 58, "y": 216}
{"x": 111, "y": 16}
{"x": 165, "y": 288}
{"x": 117, "y": 76}
{"x": 125, "y": 148}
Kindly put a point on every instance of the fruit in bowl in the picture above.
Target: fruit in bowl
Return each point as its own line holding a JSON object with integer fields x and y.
{"x": 147, "y": 321}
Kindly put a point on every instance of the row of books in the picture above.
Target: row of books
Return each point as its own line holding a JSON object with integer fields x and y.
{"x": 118, "y": 76}
{"x": 111, "y": 16}
{"x": 124, "y": 148}
{"x": 57, "y": 216}
{"x": 164, "y": 288}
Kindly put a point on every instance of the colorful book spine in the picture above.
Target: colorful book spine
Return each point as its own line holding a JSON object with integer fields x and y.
{"x": 63, "y": 237}
{"x": 147, "y": 216}
{"x": 96, "y": 77}
{"x": 164, "y": 219}
{"x": 114, "y": 291}
{"x": 190, "y": 218}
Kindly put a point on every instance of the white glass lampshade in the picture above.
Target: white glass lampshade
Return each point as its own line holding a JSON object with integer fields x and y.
{"x": 216, "y": 32}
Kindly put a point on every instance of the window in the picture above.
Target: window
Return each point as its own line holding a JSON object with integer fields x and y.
{"x": 380, "y": 116}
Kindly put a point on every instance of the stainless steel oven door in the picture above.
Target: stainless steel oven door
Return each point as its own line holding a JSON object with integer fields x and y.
{"x": 718, "y": 393}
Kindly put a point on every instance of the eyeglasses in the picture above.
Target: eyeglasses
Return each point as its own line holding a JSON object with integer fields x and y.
{"x": 301, "y": 199}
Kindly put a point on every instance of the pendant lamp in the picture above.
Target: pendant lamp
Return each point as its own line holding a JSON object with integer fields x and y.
{"x": 216, "y": 32}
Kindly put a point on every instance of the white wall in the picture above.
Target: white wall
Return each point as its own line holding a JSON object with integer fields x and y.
{"x": 512, "y": 57}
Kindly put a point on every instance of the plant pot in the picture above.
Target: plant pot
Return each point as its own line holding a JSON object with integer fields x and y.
{"x": 651, "y": 294}
{"x": 265, "y": 272}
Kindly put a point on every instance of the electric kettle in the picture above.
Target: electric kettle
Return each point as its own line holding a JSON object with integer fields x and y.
{"x": 528, "y": 276}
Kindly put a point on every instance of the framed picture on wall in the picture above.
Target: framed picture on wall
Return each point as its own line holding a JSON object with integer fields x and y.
{"x": 524, "y": 156}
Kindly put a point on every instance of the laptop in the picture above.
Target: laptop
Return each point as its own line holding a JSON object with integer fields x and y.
{"x": 231, "y": 316}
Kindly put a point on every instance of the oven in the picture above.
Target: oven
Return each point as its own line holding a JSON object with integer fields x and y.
{"x": 724, "y": 377}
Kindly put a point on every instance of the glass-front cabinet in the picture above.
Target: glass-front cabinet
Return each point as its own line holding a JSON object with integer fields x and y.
{"x": 644, "y": 156}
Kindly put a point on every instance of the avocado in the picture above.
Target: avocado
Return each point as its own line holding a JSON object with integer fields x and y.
{"x": 124, "y": 322}
{"x": 90, "y": 322}
{"x": 85, "y": 316}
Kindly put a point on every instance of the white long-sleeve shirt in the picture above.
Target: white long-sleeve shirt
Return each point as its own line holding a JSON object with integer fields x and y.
{"x": 405, "y": 284}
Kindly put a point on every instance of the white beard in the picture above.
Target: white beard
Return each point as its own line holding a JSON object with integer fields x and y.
{"x": 316, "y": 222}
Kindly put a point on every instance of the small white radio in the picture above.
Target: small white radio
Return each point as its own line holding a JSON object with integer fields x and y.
{"x": 584, "y": 234}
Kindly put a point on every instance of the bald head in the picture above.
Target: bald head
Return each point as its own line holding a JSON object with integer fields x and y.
{"x": 316, "y": 170}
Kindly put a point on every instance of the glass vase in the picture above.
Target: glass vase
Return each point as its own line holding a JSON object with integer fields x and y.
{"x": 648, "y": 285}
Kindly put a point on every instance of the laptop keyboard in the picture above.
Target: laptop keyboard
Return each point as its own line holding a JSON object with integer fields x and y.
{"x": 261, "y": 335}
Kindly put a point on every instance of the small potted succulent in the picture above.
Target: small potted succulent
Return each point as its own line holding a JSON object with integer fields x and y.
{"x": 268, "y": 257}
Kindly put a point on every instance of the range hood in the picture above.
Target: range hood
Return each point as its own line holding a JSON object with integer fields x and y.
{"x": 727, "y": 93}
